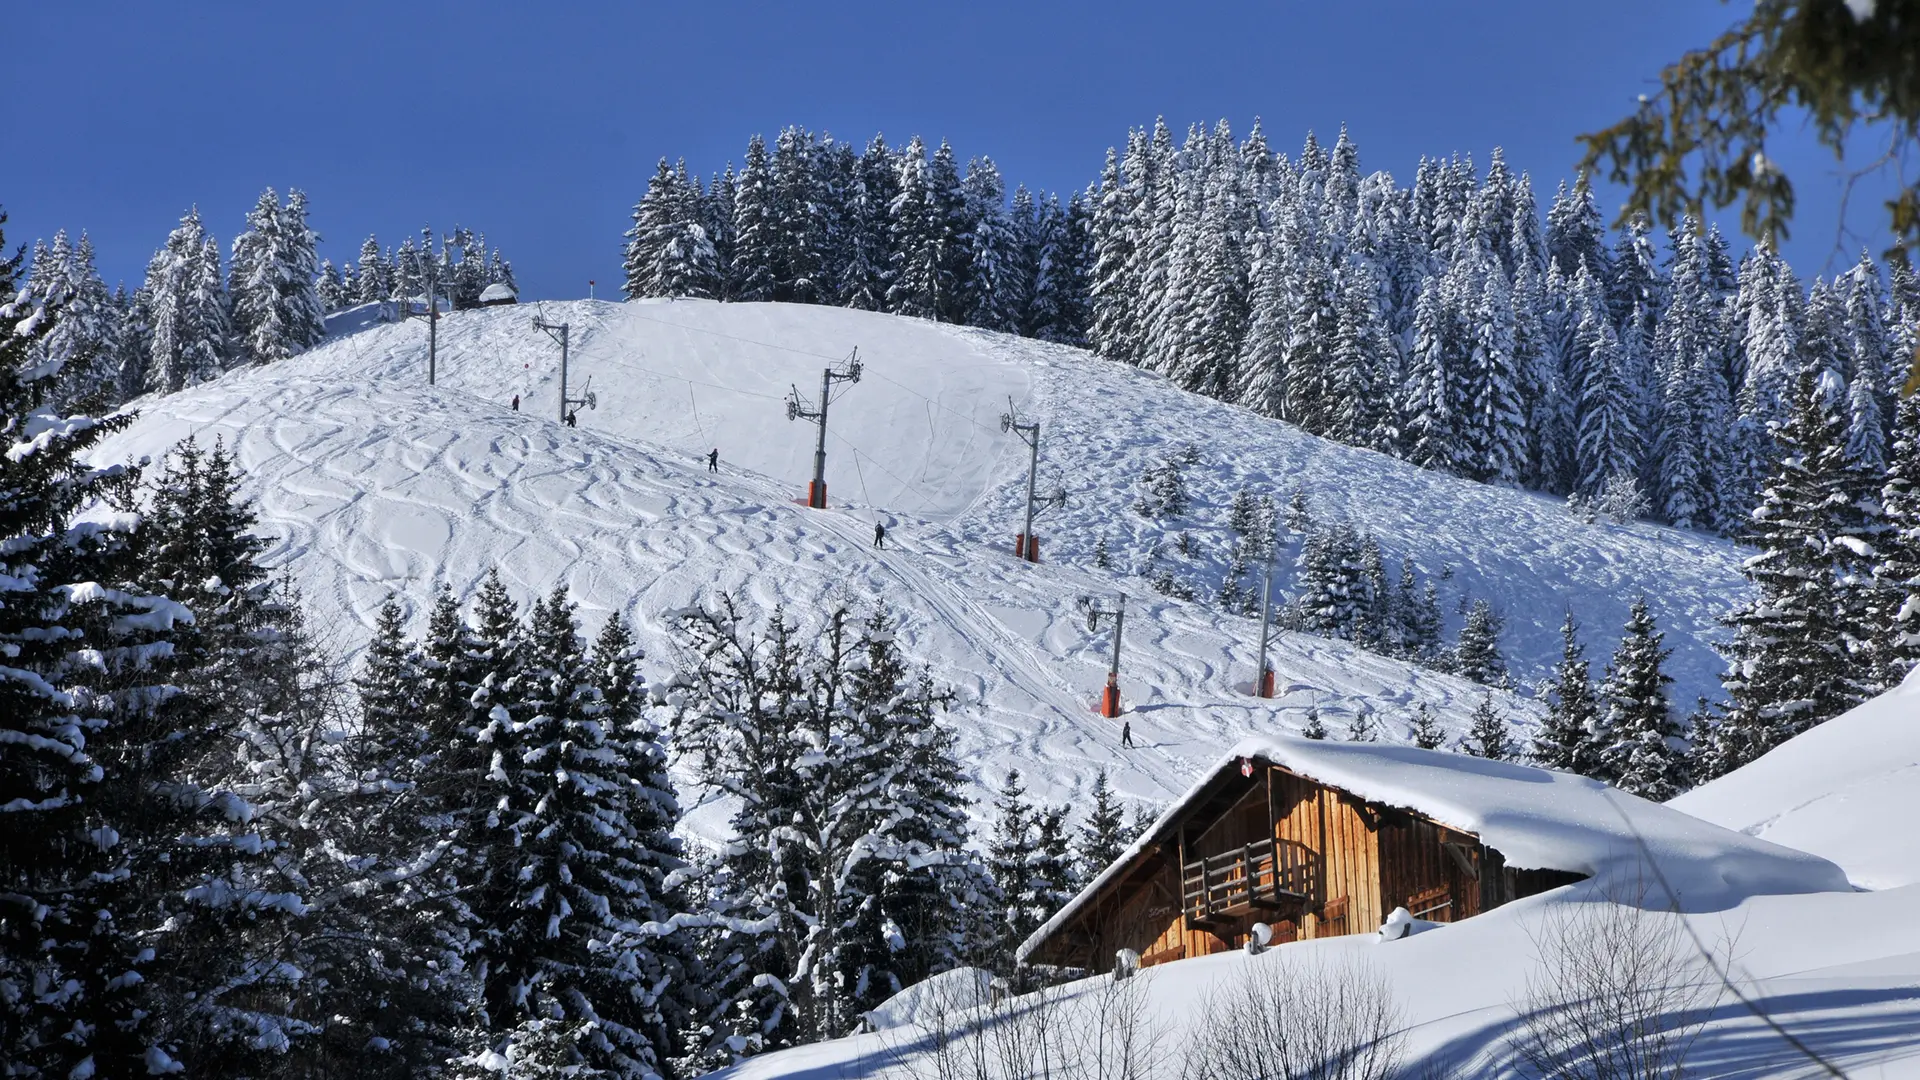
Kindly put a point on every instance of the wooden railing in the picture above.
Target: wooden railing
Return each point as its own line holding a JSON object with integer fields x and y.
{"x": 1264, "y": 873}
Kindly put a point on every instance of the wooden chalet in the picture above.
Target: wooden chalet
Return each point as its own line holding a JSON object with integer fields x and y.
{"x": 1259, "y": 840}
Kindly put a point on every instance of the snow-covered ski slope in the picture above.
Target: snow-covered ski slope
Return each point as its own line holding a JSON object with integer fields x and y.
{"x": 1848, "y": 790}
{"x": 374, "y": 483}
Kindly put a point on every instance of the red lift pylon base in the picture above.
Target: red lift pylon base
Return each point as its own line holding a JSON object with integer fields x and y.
{"x": 1110, "y": 701}
{"x": 1265, "y": 688}
{"x": 1026, "y": 547}
{"x": 817, "y": 494}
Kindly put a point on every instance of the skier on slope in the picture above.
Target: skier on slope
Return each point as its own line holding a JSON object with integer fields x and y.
{"x": 713, "y": 460}
{"x": 516, "y": 403}
{"x": 879, "y": 535}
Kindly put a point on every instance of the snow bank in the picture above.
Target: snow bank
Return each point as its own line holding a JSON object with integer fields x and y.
{"x": 947, "y": 992}
{"x": 1848, "y": 790}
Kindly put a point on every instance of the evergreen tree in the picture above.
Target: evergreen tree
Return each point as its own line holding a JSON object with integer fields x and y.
{"x": 1103, "y": 837}
{"x": 869, "y": 254}
{"x": 1013, "y": 852}
{"x": 915, "y": 271}
{"x": 1568, "y": 739}
{"x": 1789, "y": 665}
{"x": 1607, "y": 399}
{"x": 83, "y": 321}
{"x": 1110, "y": 286}
{"x": 1314, "y": 728}
{"x": 1896, "y": 616}
{"x": 1644, "y": 755}
{"x": 1487, "y": 733}
{"x": 1576, "y": 234}
{"x": 276, "y": 310}
{"x": 191, "y": 334}
{"x": 1477, "y": 655}
{"x": 754, "y": 272}
{"x": 1426, "y": 731}
{"x": 997, "y": 289}
{"x": 373, "y": 276}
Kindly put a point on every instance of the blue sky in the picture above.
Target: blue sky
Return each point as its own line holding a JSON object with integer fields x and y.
{"x": 539, "y": 124}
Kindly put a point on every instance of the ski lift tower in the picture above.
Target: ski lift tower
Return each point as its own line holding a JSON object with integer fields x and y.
{"x": 1026, "y": 545}
{"x": 1263, "y": 674}
{"x": 848, "y": 372}
{"x": 559, "y": 332}
{"x": 1110, "y": 696}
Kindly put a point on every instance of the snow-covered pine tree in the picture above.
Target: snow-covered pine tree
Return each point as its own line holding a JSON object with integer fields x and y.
{"x": 1313, "y": 727}
{"x": 373, "y": 275}
{"x": 1576, "y": 233}
{"x": 61, "y": 927}
{"x": 1607, "y": 400}
{"x": 1110, "y": 285}
{"x": 1426, "y": 732}
{"x": 1420, "y": 620}
{"x": 868, "y": 248}
{"x": 756, "y": 245}
{"x": 1896, "y": 615}
{"x": 1488, "y": 735}
{"x": 1360, "y": 726}
{"x": 1644, "y": 754}
{"x": 1566, "y": 740}
{"x": 914, "y": 896}
{"x": 997, "y": 286}
{"x": 305, "y": 318}
{"x": 1789, "y": 664}
{"x": 1477, "y": 654}
{"x": 915, "y": 271}
{"x": 1012, "y": 851}
{"x": 276, "y": 312}
{"x": 157, "y": 891}
{"x": 575, "y": 933}
{"x": 1363, "y": 363}
{"x": 1427, "y": 420}
{"x": 799, "y": 228}
{"x": 1103, "y": 836}
{"x": 652, "y": 224}
{"x": 1636, "y": 293}
{"x": 191, "y": 334}
{"x": 83, "y": 322}
{"x": 1871, "y": 369}
{"x": 1495, "y": 423}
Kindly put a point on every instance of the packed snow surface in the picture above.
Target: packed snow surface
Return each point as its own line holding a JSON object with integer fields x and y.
{"x": 1839, "y": 971}
{"x": 1848, "y": 790}
{"x": 371, "y": 482}
{"x": 1536, "y": 818}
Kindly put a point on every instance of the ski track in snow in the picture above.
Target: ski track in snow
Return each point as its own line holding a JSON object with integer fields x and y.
{"x": 372, "y": 483}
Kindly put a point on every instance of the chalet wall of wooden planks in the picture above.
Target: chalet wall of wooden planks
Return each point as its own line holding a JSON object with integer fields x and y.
{"x": 1265, "y": 844}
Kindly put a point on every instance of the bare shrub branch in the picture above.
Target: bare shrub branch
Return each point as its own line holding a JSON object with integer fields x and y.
{"x": 1300, "y": 1018}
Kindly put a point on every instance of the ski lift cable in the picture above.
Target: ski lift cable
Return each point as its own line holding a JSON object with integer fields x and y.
{"x": 926, "y": 503}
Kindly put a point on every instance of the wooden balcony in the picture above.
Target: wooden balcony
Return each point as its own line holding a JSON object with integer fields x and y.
{"x": 1264, "y": 875}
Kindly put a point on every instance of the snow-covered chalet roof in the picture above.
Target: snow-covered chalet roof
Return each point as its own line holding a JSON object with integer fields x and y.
{"x": 499, "y": 290}
{"x": 1536, "y": 818}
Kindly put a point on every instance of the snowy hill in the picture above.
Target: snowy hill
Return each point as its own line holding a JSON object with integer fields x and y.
{"x": 1846, "y": 790}
{"x": 374, "y": 483}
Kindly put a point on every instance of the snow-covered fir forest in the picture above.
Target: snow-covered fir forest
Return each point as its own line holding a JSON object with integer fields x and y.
{"x": 1447, "y": 323}
{"x": 236, "y": 854}
{"x": 194, "y": 316}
